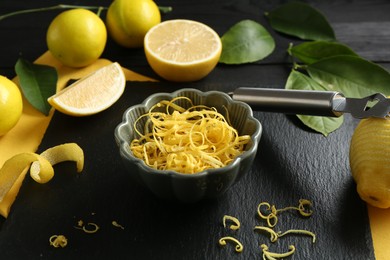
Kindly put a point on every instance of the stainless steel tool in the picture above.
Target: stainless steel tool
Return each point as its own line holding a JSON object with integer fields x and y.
{"x": 316, "y": 103}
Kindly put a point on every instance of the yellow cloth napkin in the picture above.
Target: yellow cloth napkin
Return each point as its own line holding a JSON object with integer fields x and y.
{"x": 380, "y": 231}
{"x": 30, "y": 129}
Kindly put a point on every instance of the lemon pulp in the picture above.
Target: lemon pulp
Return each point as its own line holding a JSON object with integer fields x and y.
{"x": 182, "y": 50}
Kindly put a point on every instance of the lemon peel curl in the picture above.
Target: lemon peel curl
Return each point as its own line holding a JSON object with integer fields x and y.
{"x": 58, "y": 154}
{"x": 41, "y": 165}
{"x": 14, "y": 167}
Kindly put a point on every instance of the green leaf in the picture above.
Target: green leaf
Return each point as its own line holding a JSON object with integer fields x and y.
{"x": 310, "y": 52}
{"x": 321, "y": 124}
{"x": 302, "y": 21}
{"x": 350, "y": 75}
{"x": 245, "y": 42}
{"x": 38, "y": 83}
{"x": 324, "y": 125}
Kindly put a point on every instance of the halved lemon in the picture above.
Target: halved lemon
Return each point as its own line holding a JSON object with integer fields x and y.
{"x": 182, "y": 50}
{"x": 91, "y": 94}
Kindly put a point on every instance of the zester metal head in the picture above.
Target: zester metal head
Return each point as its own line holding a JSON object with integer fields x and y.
{"x": 376, "y": 105}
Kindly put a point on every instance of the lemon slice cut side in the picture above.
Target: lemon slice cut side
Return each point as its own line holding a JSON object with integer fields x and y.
{"x": 182, "y": 50}
{"x": 91, "y": 94}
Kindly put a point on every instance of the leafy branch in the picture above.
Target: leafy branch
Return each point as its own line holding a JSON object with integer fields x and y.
{"x": 325, "y": 63}
{"x": 320, "y": 63}
{"x": 163, "y": 9}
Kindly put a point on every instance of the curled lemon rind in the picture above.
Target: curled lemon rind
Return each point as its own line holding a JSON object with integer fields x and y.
{"x": 272, "y": 255}
{"x": 41, "y": 169}
{"x": 239, "y": 247}
{"x": 14, "y": 167}
{"x": 236, "y": 223}
{"x": 58, "y": 154}
{"x": 58, "y": 241}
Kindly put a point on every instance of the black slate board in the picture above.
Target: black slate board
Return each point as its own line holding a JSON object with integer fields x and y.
{"x": 292, "y": 163}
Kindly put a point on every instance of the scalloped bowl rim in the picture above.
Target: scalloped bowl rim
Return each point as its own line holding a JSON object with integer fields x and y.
{"x": 124, "y": 144}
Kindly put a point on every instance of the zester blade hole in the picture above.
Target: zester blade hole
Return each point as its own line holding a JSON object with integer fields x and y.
{"x": 370, "y": 104}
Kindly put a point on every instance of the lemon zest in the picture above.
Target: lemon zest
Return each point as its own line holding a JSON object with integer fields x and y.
{"x": 302, "y": 208}
{"x": 186, "y": 140}
{"x": 58, "y": 241}
{"x": 90, "y": 231}
{"x": 298, "y": 231}
{"x": 267, "y": 255}
{"x": 236, "y": 223}
{"x": 116, "y": 224}
{"x": 239, "y": 247}
{"x": 272, "y": 218}
{"x": 81, "y": 226}
{"x": 275, "y": 235}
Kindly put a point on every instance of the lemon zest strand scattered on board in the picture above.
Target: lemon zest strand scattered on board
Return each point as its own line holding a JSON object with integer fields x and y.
{"x": 236, "y": 223}
{"x": 267, "y": 255}
{"x": 186, "y": 140}
{"x": 116, "y": 224}
{"x": 58, "y": 241}
{"x": 303, "y": 209}
{"x": 239, "y": 247}
{"x": 81, "y": 226}
{"x": 276, "y": 235}
{"x": 91, "y": 231}
{"x": 272, "y": 218}
{"x": 298, "y": 231}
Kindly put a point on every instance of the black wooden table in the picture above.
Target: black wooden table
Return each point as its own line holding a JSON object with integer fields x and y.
{"x": 293, "y": 162}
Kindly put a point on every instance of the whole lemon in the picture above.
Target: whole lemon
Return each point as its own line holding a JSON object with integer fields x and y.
{"x": 370, "y": 161}
{"x": 129, "y": 20}
{"x": 11, "y": 105}
{"x": 76, "y": 37}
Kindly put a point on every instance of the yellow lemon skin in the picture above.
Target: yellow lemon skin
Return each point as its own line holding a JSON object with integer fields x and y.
{"x": 129, "y": 20}
{"x": 370, "y": 161}
{"x": 76, "y": 37}
{"x": 181, "y": 72}
{"x": 11, "y": 105}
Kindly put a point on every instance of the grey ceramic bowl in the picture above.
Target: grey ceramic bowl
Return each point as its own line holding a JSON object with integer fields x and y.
{"x": 191, "y": 187}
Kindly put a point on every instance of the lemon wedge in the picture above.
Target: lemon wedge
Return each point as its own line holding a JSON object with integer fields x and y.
{"x": 182, "y": 50}
{"x": 91, "y": 94}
